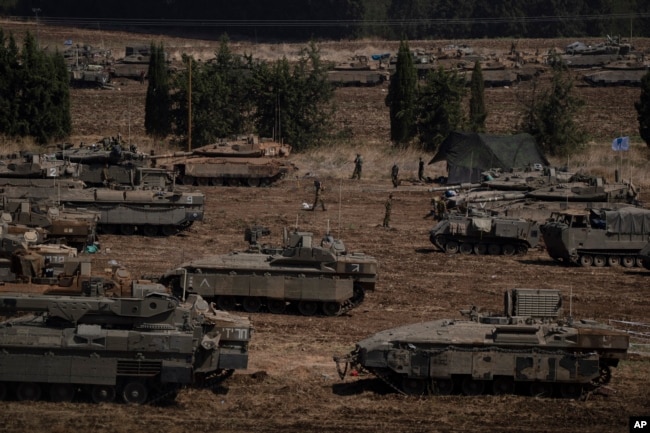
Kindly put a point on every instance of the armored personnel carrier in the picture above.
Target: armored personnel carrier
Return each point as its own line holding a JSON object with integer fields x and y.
{"x": 598, "y": 237}
{"x": 246, "y": 161}
{"x": 324, "y": 277}
{"x": 530, "y": 348}
{"x": 142, "y": 349}
{"x": 147, "y": 212}
{"x": 482, "y": 233}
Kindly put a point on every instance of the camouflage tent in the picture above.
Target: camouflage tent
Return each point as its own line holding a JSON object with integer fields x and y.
{"x": 468, "y": 154}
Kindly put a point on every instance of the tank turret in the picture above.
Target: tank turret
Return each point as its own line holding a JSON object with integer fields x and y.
{"x": 304, "y": 273}
{"x": 530, "y": 348}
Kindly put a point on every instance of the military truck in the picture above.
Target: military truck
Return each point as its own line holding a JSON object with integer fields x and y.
{"x": 530, "y": 348}
{"x": 598, "y": 237}
{"x": 240, "y": 161}
{"x": 142, "y": 349}
{"x": 311, "y": 277}
{"x": 127, "y": 212}
{"x": 481, "y": 233}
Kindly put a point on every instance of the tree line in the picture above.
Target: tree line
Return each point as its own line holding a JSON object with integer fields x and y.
{"x": 350, "y": 19}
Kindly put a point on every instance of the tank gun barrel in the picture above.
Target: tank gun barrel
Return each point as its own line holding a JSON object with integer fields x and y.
{"x": 170, "y": 155}
{"x": 460, "y": 186}
{"x": 502, "y": 197}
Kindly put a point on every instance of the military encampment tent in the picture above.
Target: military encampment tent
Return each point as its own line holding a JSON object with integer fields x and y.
{"x": 468, "y": 154}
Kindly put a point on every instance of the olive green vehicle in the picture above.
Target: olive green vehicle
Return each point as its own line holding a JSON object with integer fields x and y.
{"x": 598, "y": 237}
{"x": 311, "y": 277}
{"x": 140, "y": 349}
{"x": 481, "y": 233}
{"x": 529, "y": 349}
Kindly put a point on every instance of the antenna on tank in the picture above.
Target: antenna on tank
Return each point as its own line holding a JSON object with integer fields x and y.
{"x": 340, "y": 196}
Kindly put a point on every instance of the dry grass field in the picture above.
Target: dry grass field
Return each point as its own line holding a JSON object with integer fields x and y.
{"x": 291, "y": 384}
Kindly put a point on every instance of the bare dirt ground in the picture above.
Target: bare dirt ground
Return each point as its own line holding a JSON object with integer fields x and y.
{"x": 299, "y": 389}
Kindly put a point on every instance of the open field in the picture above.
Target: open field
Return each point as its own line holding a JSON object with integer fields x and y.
{"x": 292, "y": 384}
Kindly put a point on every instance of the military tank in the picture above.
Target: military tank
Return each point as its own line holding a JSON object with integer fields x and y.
{"x": 481, "y": 233}
{"x": 242, "y": 161}
{"x": 598, "y": 237}
{"x": 142, "y": 349}
{"x": 127, "y": 212}
{"x": 300, "y": 273}
{"x": 530, "y": 348}
{"x": 27, "y": 165}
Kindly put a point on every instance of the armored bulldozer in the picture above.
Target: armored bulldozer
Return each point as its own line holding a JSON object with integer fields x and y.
{"x": 598, "y": 237}
{"x": 142, "y": 349}
{"x": 481, "y": 233}
{"x": 127, "y": 212}
{"x": 530, "y": 348}
{"x": 300, "y": 273}
{"x": 248, "y": 161}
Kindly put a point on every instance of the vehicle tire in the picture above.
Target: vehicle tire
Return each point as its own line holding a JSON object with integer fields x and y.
{"x": 628, "y": 261}
{"x": 3, "y": 391}
{"x": 522, "y": 249}
{"x": 638, "y": 261}
{"x": 276, "y": 306}
{"x": 203, "y": 181}
{"x": 149, "y": 230}
{"x": 613, "y": 260}
{"x": 62, "y": 392}
{"x": 413, "y": 386}
{"x": 586, "y": 260}
{"x": 251, "y": 304}
{"x": 127, "y": 229}
{"x": 494, "y": 249}
{"x": 571, "y": 390}
{"x": 503, "y": 385}
{"x": 480, "y": 249}
{"x": 135, "y": 392}
{"x": 187, "y": 180}
{"x": 472, "y": 387}
{"x": 168, "y": 230}
{"x": 226, "y": 303}
{"x": 442, "y": 386}
{"x": 331, "y": 308}
{"x": 307, "y": 308}
{"x": 108, "y": 229}
{"x": 509, "y": 250}
{"x": 216, "y": 181}
{"x": 600, "y": 261}
{"x": 253, "y": 182}
{"x": 451, "y": 247}
{"x": 102, "y": 393}
{"x": 28, "y": 391}
{"x": 466, "y": 248}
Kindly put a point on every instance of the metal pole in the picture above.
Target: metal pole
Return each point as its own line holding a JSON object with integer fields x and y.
{"x": 189, "y": 108}
{"x": 36, "y": 11}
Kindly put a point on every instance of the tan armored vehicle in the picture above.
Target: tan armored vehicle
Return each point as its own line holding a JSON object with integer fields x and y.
{"x": 310, "y": 276}
{"x": 247, "y": 161}
{"x": 140, "y": 349}
{"x": 530, "y": 349}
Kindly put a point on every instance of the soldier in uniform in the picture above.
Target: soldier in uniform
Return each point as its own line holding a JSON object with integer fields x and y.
{"x": 389, "y": 208}
{"x": 318, "y": 199}
{"x": 358, "y": 163}
{"x": 421, "y": 170}
{"x": 441, "y": 209}
{"x": 394, "y": 175}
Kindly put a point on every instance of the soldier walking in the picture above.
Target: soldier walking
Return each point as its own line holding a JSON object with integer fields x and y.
{"x": 394, "y": 175}
{"x": 358, "y": 165}
{"x": 318, "y": 199}
{"x": 389, "y": 207}
{"x": 421, "y": 170}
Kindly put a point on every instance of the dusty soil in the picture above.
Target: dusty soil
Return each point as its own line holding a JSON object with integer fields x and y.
{"x": 299, "y": 389}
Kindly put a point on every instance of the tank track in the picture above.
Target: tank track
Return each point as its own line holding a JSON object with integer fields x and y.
{"x": 211, "y": 382}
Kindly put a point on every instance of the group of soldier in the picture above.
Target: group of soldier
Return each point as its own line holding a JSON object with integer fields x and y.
{"x": 438, "y": 205}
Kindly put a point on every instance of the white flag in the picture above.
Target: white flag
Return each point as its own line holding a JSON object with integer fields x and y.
{"x": 621, "y": 143}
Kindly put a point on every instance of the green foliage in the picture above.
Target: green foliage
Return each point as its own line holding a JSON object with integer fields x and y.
{"x": 477, "y": 111}
{"x": 549, "y": 115}
{"x": 157, "y": 116}
{"x": 402, "y": 97}
{"x": 440, "y": 107}
{"x": 35, "y": 89}
{"x": 643, "y": 109}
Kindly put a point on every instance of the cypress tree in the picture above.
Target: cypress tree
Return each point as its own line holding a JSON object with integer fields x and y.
{"x": 643, "y": 109}
{"x": 477, "y": 111}
{"x": 402, "y": 96}
{"x": 157, "y": 117}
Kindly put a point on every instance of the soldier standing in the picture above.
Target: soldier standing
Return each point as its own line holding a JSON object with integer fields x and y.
{"x": 318, "y": 199}
{"x": 358, "y": 163}
{"x": 394, "y": 173}
{"x": 389, "y": 208}
{"x": 441, "y": 209}
{"x": 421, "y": 170}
